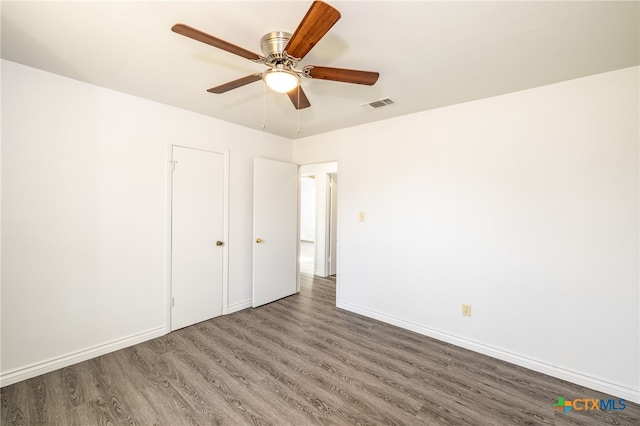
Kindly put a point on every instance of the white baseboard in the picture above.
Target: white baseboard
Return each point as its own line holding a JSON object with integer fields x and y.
{"x": 239, "y": 306}
{"x": 624, "y": 392}
{"x": 36, "y": 369}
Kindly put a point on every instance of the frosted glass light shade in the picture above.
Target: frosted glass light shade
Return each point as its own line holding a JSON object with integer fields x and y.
{"x": 281, "y": 81}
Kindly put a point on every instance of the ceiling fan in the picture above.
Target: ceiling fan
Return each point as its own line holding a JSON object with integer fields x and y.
{"x": 282, "y": 53}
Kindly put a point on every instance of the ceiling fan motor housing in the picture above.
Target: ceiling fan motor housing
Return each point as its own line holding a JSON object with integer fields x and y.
{"x": 273, "y": 44}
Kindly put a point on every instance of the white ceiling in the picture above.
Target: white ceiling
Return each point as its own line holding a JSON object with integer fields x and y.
{"x": 429, "y": 54}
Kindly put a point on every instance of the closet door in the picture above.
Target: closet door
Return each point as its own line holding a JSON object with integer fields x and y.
{"x": 197, "y": 229}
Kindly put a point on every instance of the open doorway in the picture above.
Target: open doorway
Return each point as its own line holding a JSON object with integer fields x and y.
{"x": 307, "y": 224}
{"x": 318, "y": 219}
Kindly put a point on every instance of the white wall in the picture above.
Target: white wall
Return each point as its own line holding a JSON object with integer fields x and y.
{"x": 525, "y": 206}
{"x": 84, "y": 216}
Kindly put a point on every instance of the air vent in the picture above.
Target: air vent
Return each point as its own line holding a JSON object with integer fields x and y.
{"x": 379, "y": 104}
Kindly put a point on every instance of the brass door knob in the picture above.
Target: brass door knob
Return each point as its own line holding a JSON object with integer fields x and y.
{"x": 258, "y": 240}
{"x": 219, "y": 243}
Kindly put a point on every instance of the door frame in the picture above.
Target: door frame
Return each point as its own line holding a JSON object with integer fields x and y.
{"x": 168, "y": 213}
{"x": 332, "y": 224}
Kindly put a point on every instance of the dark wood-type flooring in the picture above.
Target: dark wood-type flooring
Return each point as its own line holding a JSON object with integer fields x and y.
{"x": 298, "y": 361}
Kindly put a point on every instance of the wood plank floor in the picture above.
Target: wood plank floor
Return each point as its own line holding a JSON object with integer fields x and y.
{"x": 298, "y": 361}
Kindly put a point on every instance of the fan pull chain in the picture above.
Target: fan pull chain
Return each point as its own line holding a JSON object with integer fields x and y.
{"x": 264, "y": 106}
{"x": 298, "y": 109}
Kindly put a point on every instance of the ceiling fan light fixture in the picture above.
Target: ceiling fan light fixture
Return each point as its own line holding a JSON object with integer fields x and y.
{"x": 281, "y": 80}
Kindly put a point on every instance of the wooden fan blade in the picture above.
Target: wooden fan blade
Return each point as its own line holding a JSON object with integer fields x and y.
{"x": 235, "y": 84}
{"x": 303, "y": 102}
{"x": 319, "y": 19}
{"x": 198, "y": 35}
{"x": 367, "y": 78}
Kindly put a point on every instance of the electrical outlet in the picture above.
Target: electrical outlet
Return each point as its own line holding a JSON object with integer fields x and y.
{"x": 361, "y": 216}
{"x": 466, "y": 310}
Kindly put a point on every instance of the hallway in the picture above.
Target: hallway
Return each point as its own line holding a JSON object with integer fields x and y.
{"x": 307, "y": 255}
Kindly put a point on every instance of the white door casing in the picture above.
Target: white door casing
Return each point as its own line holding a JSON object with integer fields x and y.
{"x": 197, "y": 225}
{"x": 332, "y": 234}
{"x": 275, "y": 230}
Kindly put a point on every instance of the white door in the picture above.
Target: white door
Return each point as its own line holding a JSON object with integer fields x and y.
{"x": 275, "y": 230}
{"x": 197, "y": 227}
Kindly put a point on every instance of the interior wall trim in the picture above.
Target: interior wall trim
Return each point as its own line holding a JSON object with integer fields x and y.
{"x": 614, "y": 389}
{"x": 240, "y": 306}
{"x": 52, "y": 364}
